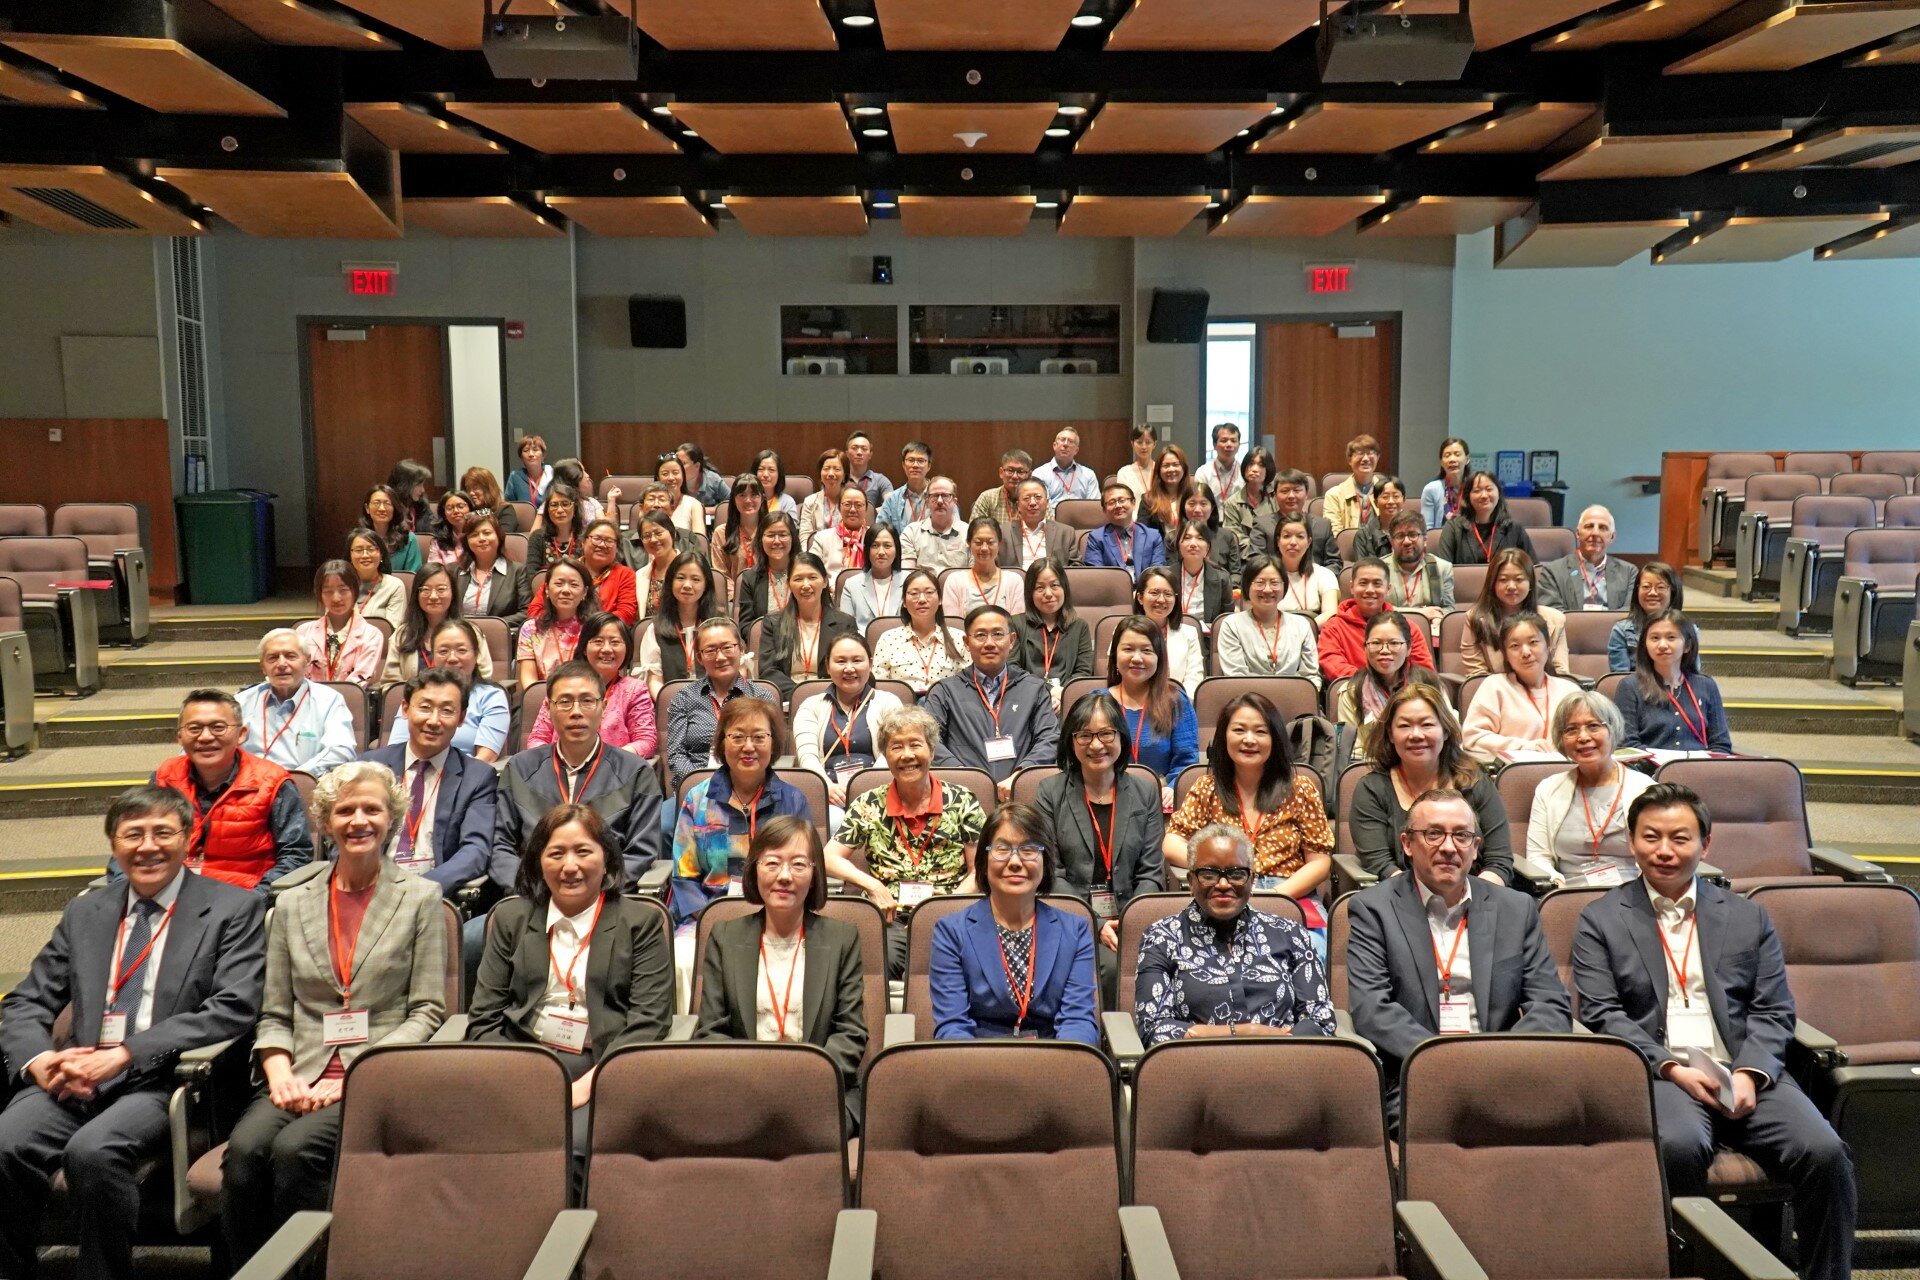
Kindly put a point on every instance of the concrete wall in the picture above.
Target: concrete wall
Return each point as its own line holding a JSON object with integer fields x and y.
{"x": 55, "y": 286}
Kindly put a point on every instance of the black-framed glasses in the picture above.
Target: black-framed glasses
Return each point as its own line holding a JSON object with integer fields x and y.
{"x": 1210, "y": 876}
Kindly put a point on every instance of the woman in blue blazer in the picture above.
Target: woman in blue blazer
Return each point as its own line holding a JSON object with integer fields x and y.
{"x": 1010, "y": 965}
{"x": 1667, "y": 704}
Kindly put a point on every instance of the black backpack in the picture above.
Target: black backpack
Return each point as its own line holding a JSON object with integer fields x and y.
{"x": 1317, "y": 744}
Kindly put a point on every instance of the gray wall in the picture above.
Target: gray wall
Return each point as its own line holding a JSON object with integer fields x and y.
{"x": 56, "y": 285}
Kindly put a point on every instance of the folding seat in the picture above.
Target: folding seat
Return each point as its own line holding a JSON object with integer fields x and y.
{"x": 499, "y": 642}
{"x": 16, "y": 671}
{"x": 22, "y": 520}
{"x": 1825, "y": 464}
{"x": 1339, "y": 929}
{"x": 1902, "y": 463}
{"x": 1468, "y": 579}
{"x": 1873, "y": 602}
{"x": 1760, "y": 834}
{"x": 364, "y": 733}
{"x": 1293, "y": 696}
{"x": 1881, "y": 486}
{"x": 1810, "y": 563}
{"x": 1531, "y": 514}
{"x": 1453, "y": 628}
{"x": 915, "y": 1021}
{"x": 116, "y": 552}
{"x": 1760, "y": 539}
{"x": 804, "y": 689}
{"x": 514, "y": 547}
{"x": 1328, "y": 480}
{"x": 799, "y": 488}
{"x": 61, "y": 622}
{"x": 629, "y": 486}
{"x": 1550, "y": 542}
{"x": 523, "y": 515}
{"x": 1508, "y": 1136}
{"x": 1084, "y": 514}
{"x": 1853, "y": 964}
{"x": 978, "y": 781}
{"x": 1559, "y": 921}
{"x": 1587, "y": 633}
{"x": 1348, "y": 875}
{"x": 1723, "y": 497}
{"x": 1901, "y": 513}
{"x": 1517, "y": 783}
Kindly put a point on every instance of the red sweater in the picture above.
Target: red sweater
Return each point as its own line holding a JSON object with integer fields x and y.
{"x": 616, "y": 593}
{"x": 1343, "y": 641}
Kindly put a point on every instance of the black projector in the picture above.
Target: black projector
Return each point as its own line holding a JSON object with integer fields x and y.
{"x": 1384, "y": 48}
{"x": 603, "y": 46}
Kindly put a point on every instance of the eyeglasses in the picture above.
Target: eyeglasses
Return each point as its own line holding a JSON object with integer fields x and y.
{"x": 1001, "y": 854}
{"x": 600, "y": 540}
{"x": 585, "y": 702}
{"x": 749, "y": 739}
{"x": 1210, "y": 876}
{"x": 1385, "y": 646}
{"x": 218, "y": 729}
{"x": 1439, "y": 837}
{"x": 1098, "y": 738}
{"x": 994, "y": 636}
{"x": 719, "y": 650}
{"x": 160, "y": 835}
{"x": 797, "y": 867}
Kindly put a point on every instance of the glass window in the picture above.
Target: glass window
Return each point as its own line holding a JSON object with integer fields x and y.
{"x": 1229, "y": 380}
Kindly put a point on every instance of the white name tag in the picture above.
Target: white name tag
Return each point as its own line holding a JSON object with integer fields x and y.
{"x": 843, "y": 771}
{"x": 1001, "y": 749}
{"x": 911, "y": 893}
{"x": 1605, "y": 875}
{"x": 348, "y": 1026}
{"x": 736, "y": 888}
{"x": 567, "y": 1034}
{"x": 1105, "y": 905}
{"x": 1689, "y": 1026}
{"x": 417, "y": 863}
{"x": 113, "y": 1030}
{"x": 1456, "y": 1015}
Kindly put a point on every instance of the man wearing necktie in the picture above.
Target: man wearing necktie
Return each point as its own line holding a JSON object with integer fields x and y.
{"x": 447, "y": 834}
{"x": 157, "y": 963}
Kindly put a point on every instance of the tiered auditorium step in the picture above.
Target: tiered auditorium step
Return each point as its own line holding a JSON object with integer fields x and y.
{"x": 46, "y": 861}
{"x": 228, "y": 622}
{"x": 223, "y": 664}
{"x": 112, "y": 717}
{"x": 1717, "y": 614}
{"x": 1806, "y": 706}
{"x": 1717, "y": 584}
{"x": 1763, "y": 653}
{"x": 69, "y": 781}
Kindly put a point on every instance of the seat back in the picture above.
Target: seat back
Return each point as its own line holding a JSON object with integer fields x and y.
{"x": 1343, "y": 803}
{"x": 799, "y": 488}
{"x": 1901, "y": 513}
{"x": 1559, "y": 918}
{"x": 1550, "y": 542}
{"x": 1026, "y": 783}
{"x": 1587, "y": 631}
{"x": 12, "y": 611}
{"x": 1148, "y": 909}
{"x": 1878, "y": 485}
{"x": 1100, "y": 586}
{"x": 1339, "y": 929}
{"x": 1518, "y": 782}
{"x": 390, "y": 703}
{"x": 629, "y": 487}
{"x": 484, "y": 1126}
{"x": 1853, "y": 957}
{"x": 1890, "y": 557}
{"x": 514, "y": 548}
{"x": 1292, "y": 695}
{"x": 809, "y": 784}
{"x": 1083, "y": 514}
{"x": 1308, "y": 1119}
{"x": 36, "y": 563}
{"x": 1009, "y": 1147}
{"x": 804, "y": 689}
{"x": 1074, "y": 690}
{"x": 106, "y": 527}
{"x": 22, "y": 520}
{"x": 1759, "y": 809}
{"x": 1453, "y": 629}
{"x": 499, "y": 642}
{"x": 1504, "y": 1158}
{"x": 1827, "y": 518}
{"x": 769, "y": 1135}
{"x": 355, "y": 697}
{"x": 1899, "y": 462}
{"x": 919, "y": 993}
{"x": 1730, "y": 471}
{"x": 1463, "y": 696}
{"x": 1773, "y": 495}
{"x": 1531, "y": 513}
{"x": 523, "y": 515}
{"x": 1818, "y": 463}
{"x": 978, "y": 781}
{"x": 533, "y": 700}
{"x": 1468, "y": 579}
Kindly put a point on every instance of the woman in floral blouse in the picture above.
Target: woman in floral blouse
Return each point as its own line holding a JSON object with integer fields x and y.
{"x": 549, "y": 639}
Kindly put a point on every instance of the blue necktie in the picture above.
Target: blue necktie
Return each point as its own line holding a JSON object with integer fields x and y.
{"x": 139, "y": 934}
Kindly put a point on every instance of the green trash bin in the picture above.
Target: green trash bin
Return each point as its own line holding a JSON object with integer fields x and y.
{"x": 226, "y": 545}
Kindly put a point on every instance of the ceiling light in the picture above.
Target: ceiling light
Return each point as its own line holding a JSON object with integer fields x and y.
{"x": 1058, "y": 132}
{"x": 663, "y": 111}
{"x": 884, "y": 204}
{"x": 875, "y": 132}
{"x": 1073, "y": 109}
{"x": 857, "y": 20}
{"x": 1046, "y": 204}
{"x": 1087, "y": 20}
{"x": 868, "y": 111}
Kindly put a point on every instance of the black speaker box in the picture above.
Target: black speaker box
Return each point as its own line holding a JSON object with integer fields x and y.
{"x": 657, "y": 322}
{"x": 1177, "y": 315}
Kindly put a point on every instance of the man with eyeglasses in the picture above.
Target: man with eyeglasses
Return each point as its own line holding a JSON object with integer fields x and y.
{"x": 447, "y": 833}
{"x": 1441, "y": 951}
{"x": 160, "y": 963}
{"x": 993, "y": 716}
{"x": 1343, "y": 637}
{"x": 289, "y": 719}
{"x": 1349, "y": 504}
{"x": 1031, "y": 534}
{"x": 939, "y": 541}
{"x": 249, "y": 827}
{"x": 695, "y": 710}
{"x": 1289, "y": 501}
{"x": 1062, "y": 476}
{"x": 907, "y": 503}
{"x": 1123, "y": 542}
{"x": 998, "y": 505}
{"x": 1417, "y": 580}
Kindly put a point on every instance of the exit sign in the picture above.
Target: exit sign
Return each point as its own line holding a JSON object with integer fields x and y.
{"x": 1330, "y": 277}
{"x": 370, "y": 279}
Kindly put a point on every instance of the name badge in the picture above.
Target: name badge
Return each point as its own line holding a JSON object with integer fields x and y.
{"x": 417, "y": 863}
{"x": 844, "y": 770}
{"x": 1605, "y": 876}
{"x": 567, "y": 1034}
{"x": 1105, "y": 905}
{"x": 999, "y": 749}
{"x": 911, "y": 893}
{"x": 736, "y": 887}
{"x": 1025, "y": 1033}
{"x": 113, "y": 1030}
{"x": 347, "y": 1026}
{"x": 1689, "y": 1027}
{"x": 1456, "y": 1015}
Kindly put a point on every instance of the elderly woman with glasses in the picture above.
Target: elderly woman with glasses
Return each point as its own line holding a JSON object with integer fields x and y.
{"x": 1578, "y": 825}
{"x": 1221, "y": 968}
{"x": 721, "y": 813}
{"x": 1010, "y": 965}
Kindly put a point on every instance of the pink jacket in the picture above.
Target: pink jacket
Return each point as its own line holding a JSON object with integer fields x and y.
{"x": 361, "y": 657}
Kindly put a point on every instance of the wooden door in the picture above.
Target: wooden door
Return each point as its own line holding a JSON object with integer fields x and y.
{"x": 370, "y": 404}
{"x": 1318, "y": 390}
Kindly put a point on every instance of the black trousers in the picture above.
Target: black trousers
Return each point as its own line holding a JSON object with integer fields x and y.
{"x": 277, "y": 1164}
{"x": 98, "y": 1145}
{"x": 1789, "y": 1137}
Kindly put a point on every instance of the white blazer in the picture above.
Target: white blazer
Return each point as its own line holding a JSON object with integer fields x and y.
{"x": 1553, "y": 800}
{"x": 810, "y": 726}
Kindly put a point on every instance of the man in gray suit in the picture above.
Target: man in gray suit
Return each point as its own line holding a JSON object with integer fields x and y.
{"x": 1031, "y": 534}
{"x": 1290, "y": 500}
{"x": 160, "y": 962}
{"x": 1692, "y": 975}
{"x": 1589, "y": 578}
{"x": 1439, "y": 952}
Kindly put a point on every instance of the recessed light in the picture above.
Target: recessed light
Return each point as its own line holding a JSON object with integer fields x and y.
{"x": 663, "y": 111}
{"x": 873, "y": 133}
{"x": 1046, "y": 204}
{"x": 1087, "y": 20}
{"x": 1073, "y": 109}
{"x": 1059, "y": 132}
{"x": 857, "y": 20}
{"x": 868, "y": 111}
{"x": 884, "y": 204}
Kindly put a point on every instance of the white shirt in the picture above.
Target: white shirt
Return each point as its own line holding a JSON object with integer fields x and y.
{"x": 783, "y": 967}
{"x": 1589, "y": 583}
{"x": 310, "y": 731}
{"x": 143, "y": 1016}
{"x": 1690, "y": 1022}
{"x": 1033, "y": 542}
{"x": 924, "y": 547}
{"x": 1225, "y": 487}
{"x": 1448, "y": 924}
{"x": 421, "y": 858}
{"x": 570, "y": 942}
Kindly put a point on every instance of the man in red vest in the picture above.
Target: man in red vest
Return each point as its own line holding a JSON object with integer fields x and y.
{"x": 249, "y": 826}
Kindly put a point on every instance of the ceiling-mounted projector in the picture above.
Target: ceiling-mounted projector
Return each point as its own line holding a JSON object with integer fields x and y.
{"x": 559, "y": 46}
{"x": 1366, "y": 43}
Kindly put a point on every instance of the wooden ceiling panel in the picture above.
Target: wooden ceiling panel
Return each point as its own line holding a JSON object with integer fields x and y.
{"x": 291, "y": 22}
{"x": 1659, "y": 155}
{"x": 634, "y": 215}
{"x": 1446, "y": 216}
{"x": 928, "y": 128}
{"x": 1219, "y": 25}
{"x": 1530, "y": 128}
{"x": 735, "y": 24}
{"x": 568, "y": 128}
{"x": 163, "y": 75}
{"x": 1653, "y": 20}
{"x": 1578, "y": 244}
{"x": 1901, "y": 51}
{"x": 1179, "y": 128}
{"x": 1366, "y": 128}
{"x": 38, "y": 89}
{"x": 1130, "y": 215}
{"x": 452, "y": 24}
{"x": 1802, "y": 33}
{"x": 966, "y": 215}
{"x": 87, "y": 198}
{"x": 800, "y": 215}
{"x": 1763, "y": 239}
{"x": 1302, "y": 216}
{"x": 769, "y": 128}
{"x": 1862, "y": 147}
{"x": 1890, "y": 240}
{"x": 1031, "y": 25}
{"x": 295, "y": 204}
{"x": 1498, "y": 22}
{"x": 494, "y": 217}
{"x": 407, "y": 128}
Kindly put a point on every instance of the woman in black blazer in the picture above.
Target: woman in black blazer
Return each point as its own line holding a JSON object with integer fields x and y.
{"x": 795, "y": 642}
{"x": 503, "y": 595}
{"x": 1048, "y": 640}
{"x": 747, "y": 985}
{"x": 537, "y": 985}
{"x": 1202, "y": 587}
{"x": 1107, "y": 822}
{"x": 1483, "y": 525}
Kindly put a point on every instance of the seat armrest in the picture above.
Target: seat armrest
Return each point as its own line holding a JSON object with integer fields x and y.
{"x": 854, "y": 1231}
{"x": 1532, "y": 876}
{"x": 1820, "y": 1048}
{"x": 1712, "y": 874}
{"x": 1432, "y": 1244}
{"x": 899, "y": 1029}
{"x": 288, "y": 1248}
{"x": 653, "y": 881}
{"x": 466, "y": 898}
{"x": 452, "y": 1031}
{"x": 1123, "y": 1038}
{"x": 1343, "y": 1030}
{"x": 681, "y": 1029}
{"x": 1346, "y": 866}
{"x": 1144, "y": 1236}
{"x": 566, "y": 1240}
{"x": 1704, "y": 1226}
{"x": 195, "y": 1066}
{"x": 1846, "y": 866}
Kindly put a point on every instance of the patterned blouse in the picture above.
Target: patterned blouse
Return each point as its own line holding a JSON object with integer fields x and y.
{"x": 1282, "y": 841}
{"x": 1269, "y": 974}
{"x": 547, "y": 649}
{"x": 898, "y": 655}
{"x": 943, "y": 844}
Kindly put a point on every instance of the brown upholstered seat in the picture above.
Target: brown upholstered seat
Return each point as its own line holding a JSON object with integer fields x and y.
{"x": 1292, "y": 695}
{"x": 1759, "y": 809}
{"x": 919, "y": 990}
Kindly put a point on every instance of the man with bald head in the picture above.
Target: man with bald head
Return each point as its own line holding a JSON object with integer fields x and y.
{"x": 1589, "y": 578}
{"x": 290, "y": 720}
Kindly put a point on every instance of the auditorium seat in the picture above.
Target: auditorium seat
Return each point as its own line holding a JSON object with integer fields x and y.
{"x": 365, "y": 733}
{"x": 915, "y": 1021}
{"x": 1879, "y": 485}
{"x": 629, "y": 486}
{"x": 499, "y": 642}
{"x": 1873, "y": 602}
{"x": 1723, "y": 497}
{"x": 1550, "y": 542}
{"x": 1760, "y": 539}
{"x": 116, "y": 552}
{"x": 1903, "y": 463}
{"x": 62, "y": 623}
{"x": 1339, "y": 929}
{"x": 1468, "y": 580}
{"x": 799, "y": 488}
{"x": 1348, "y": 874}
{"x": 1531, "y": 514}
{"x": 1083, "y": 514}
{"x": 514, "y": 548}
{"x": 1587, "y": 631}
{"x": 16, "y": 671}
{"x": 1825, "y": 464}
{"x": 1815, "y": 555}
{"x": 1516, "y": 784}
{"x": 808, "y": 783}
{"x": 22, "y": 520}
{"x": 523, "y": 515}
{"x": 1760, "y": 834}
{"x": 1097, "y": 586}
{"x": 1901, "y": 513}
{"x": 978, "y": 781}
{"x": 1447, "y": 659}
{"x": 1463, "y": 696}
{"x": 1293, "y": 696}
{"x": 1343, "y": 542}
{"x": 804, "y": 689}
{"x": 1078, "y": 688}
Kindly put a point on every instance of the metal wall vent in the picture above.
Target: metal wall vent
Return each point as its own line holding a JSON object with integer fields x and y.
{"x": 79, "y": 208}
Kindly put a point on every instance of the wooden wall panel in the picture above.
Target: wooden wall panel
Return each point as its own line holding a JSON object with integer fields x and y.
{"x": 1319, "y": 390}
{"x": 967, "y": 451}
{"x": 99, "y": 460}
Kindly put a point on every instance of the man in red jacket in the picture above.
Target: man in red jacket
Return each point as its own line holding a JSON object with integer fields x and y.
{"x": 1343, "y": 637}
{"x": 249, "y": 826}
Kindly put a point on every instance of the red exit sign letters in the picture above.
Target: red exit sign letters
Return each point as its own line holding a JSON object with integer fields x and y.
{"x": 1329, "y": 277}
{"x": 370, "y": 279}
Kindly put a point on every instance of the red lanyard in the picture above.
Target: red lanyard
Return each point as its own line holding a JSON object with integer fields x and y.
{"x": 1408, "y": 581}
{"x": 1186, "y": 601}
{"x": 993, "y": 599}
{"x": 342, "y": 949}
{"x": 419, "y": 815}
{"x": 1596, "y": 582}
{"x": 1699, "y": 734}
{"x": 845, "y": 735}
{"x": 478, "y": 591}
{"x": 1253, "y": 832}
{"x": 333, "y": 658}
{"x": 267, "y": 747}
{"x": 567, "y": 977}
{"x": 560, "y": 774}
{"x": 1033, "y": 544}
{"x": 781, "y": 1004}
{"x": 1126, "y": 552}
{"x": 1104, "y": 840}
{"x": 686, "y": 647}
{"x": 1048, "y": 650}
{"x": 1273, "y": 645}
{"x": 916, "y": 852}
{"x": 1541, "y": 709}
{"x": 993, "y": 708}
{"x": 1599, "y": 833}
{"x": 807, "y": 651}
{"x": 1134, "y": 730}
{"x": 1686, "y": 953}
{"x": 1446, "y": 970}
{"x": 926, "y": 658}
{"x": 1023, "y": 999}
{"x": 1486, "y": 543}
{"x": 753, "y": 812}
{"x": 120, "y": 975}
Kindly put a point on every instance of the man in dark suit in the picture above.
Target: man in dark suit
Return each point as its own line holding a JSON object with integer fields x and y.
{"x": 160, "y": 962}
{"x": 1440, "y": 952}
{"x": 1290, "y": 500}
{"x": 1589, "y": 578}
{"x": 1123, "y": 542}
{"x": 447, "y": 835}
{"x": 1030, "y": 534}
{"x": 1693, "y": 976}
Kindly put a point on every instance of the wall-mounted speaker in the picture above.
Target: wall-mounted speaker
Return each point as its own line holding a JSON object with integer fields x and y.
{"x": 1177, "y": 315}
{"x": 657, "y": 322}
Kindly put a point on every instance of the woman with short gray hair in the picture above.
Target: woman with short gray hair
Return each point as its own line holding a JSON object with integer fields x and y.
{"x": 1578, "y": 825}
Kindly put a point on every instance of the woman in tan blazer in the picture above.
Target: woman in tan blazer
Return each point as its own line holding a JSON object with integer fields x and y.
{"x": 356, "y": 957}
